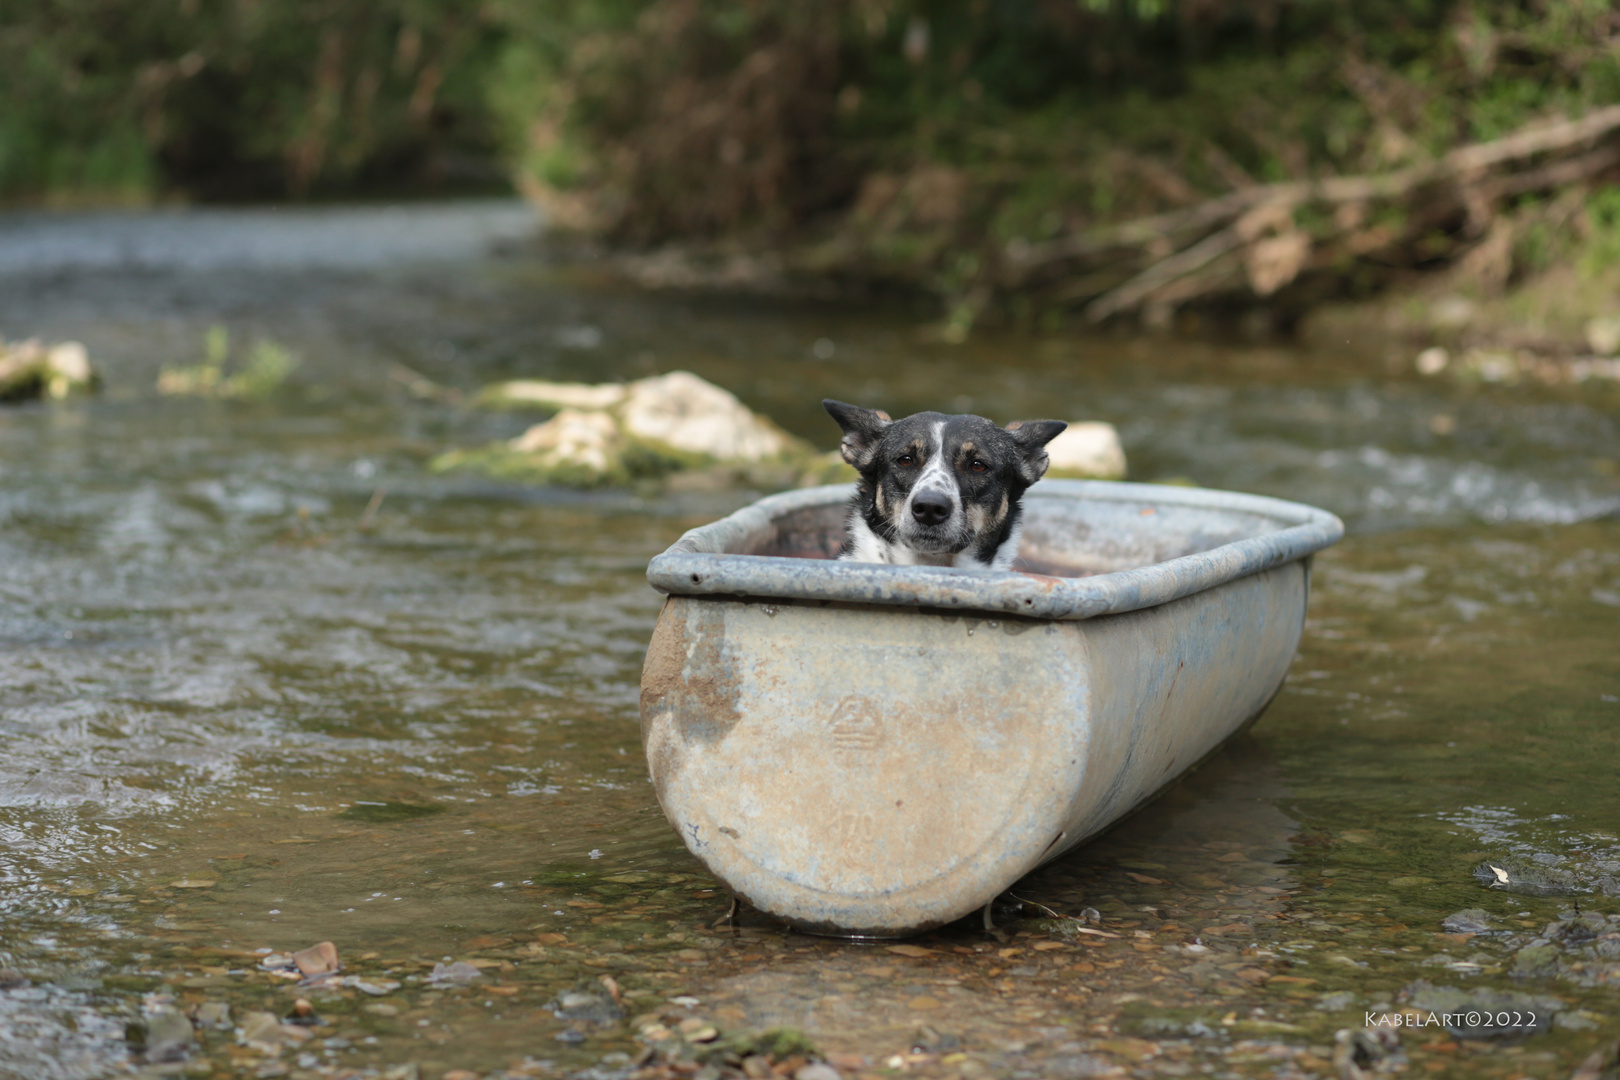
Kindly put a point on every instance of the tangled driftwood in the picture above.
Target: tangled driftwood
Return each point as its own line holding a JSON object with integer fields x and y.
{"x": 1251, "y": 240}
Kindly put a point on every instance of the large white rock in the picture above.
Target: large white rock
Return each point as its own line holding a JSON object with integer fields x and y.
{"x": 678, "y": 411}
{"x": 556, "y": 395}
{"x": 1088, "y": 448}
{"x": 588, "y": 440}
{"x": 32, "y": 369}
{"x": 693, "y": 415}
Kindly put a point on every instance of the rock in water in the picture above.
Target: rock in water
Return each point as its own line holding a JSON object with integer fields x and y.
{"x": 1470, "y": 921}
{"x": 1087, "y": 449}
{"x": 644, "y": 430}
{"x": 1530, "y": 876}
{"x": 318, "y": 959}
{"x": 538, "y": 393}
{"x": 573, "y": 442}
{"x": 30, "y": 369}
{"x": 213, "y": 1015}
{"x": 693, "y": 416}
{"x": 587, "y": 1002}
{"x": 168, "y": 1034}
{"x": 459, "y": 972}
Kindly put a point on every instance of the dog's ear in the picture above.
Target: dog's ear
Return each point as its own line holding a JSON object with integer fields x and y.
{"x": 862, "y": 430}
{"x": 1032, "y": 437}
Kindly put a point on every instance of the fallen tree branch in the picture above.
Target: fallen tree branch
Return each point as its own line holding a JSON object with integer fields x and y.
{"x": 1242, "y": 218}
{"x": 1558, "y": 174}
{"x": 1459, "y": 163}
{"x": 1163, "y": 272}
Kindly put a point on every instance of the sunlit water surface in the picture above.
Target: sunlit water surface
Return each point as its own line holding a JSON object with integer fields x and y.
{"x": 241, "y": 711}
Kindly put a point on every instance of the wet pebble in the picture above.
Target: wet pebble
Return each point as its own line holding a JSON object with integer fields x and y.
{"x": 168, "y": 1034}
{"x": 303, "y": 1014}
{"x": 1359, "y": 1054}
{"x": 588, "y": 1001}
{"x": 214, "y": 1015}
{"x": 459, "y": 972}
{"x": 1468, "y": 921}
{"x": 264, "y": 1032}
{"x": 319, "y": 959}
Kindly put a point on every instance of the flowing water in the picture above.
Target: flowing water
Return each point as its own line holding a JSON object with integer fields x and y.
{"x": 265, "y": 680}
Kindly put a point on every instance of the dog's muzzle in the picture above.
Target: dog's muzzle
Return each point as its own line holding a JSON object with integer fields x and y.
{"x": 936, "y": 523}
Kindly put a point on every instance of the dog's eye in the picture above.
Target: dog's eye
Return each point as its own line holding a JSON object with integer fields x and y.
{"x": 978, "y": 466}
{"x": 905, "y": 461}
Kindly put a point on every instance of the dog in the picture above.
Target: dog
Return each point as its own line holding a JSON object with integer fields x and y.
{"x": 938, "y": 490}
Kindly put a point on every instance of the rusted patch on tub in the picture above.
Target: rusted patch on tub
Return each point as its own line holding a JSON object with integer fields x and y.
{"x": 688, "y": 674}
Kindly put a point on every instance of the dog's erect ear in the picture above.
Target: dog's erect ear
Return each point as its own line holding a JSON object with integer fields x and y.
{"x": 862, "y": 430}
{"x": 1032, "y": 437}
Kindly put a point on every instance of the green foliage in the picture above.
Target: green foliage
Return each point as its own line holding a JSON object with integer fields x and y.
{"x": 1602, "y": 249}
{"x": 682, "y": 119}
{"x": 913, "y": 141}
{"x": 267, "y": 368}
{"x": 128, "y": 99}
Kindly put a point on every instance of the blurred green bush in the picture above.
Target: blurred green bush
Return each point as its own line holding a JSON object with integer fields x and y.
{"x": 664, "y": 119}
{"x": 916, "y": 142}
{"x": 127, "y": 100}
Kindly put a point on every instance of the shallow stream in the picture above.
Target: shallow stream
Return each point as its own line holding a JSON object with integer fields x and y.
{"x": 265, "y": 680}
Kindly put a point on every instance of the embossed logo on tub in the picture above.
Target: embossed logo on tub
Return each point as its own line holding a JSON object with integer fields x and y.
{"x": 855, "y": 729}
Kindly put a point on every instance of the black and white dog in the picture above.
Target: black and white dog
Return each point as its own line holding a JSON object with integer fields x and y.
{"x": 938, "y": 490}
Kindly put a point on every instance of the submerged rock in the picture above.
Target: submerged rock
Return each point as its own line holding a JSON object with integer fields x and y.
{"x": 212, "y": 1015}
{"x": 1482, "y": 1013}
{"x": 458, "y": 973}
{"x": 1469, "y": 921}
{"x": 1549, "y": 875}
{"x": 1367, "y": 1052}
{"x": 168, "y": 1034}
{"x": 647, "y": 430}
{"x": 31, "y": 369}
{"x": 588, "y": 1002}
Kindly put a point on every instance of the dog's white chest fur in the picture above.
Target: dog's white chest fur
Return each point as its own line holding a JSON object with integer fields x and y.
{"x": 867, "y": 546}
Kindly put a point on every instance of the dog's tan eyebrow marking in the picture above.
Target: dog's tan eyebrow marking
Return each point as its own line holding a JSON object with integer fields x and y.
{"x": 968, "y": 448}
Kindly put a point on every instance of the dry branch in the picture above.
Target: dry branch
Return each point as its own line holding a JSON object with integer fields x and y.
{"x": 1163, "y": 272}
{"x": 1245, "y": 217}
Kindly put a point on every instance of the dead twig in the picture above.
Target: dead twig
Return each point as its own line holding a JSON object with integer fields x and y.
{"x": 1244, "y": 218}
{"x": 368, "y": 517}
{"x": 1161, "y": 273}
{"x": 1253, "y": 213}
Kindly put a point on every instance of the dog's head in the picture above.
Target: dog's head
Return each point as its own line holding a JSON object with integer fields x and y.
{"x": 939, "y": 484}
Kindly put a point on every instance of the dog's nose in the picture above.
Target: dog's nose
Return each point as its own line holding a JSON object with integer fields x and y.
{"x": 930, "y": 507}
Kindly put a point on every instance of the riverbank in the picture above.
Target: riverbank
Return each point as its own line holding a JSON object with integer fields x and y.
{"x": 1255, "y": 166}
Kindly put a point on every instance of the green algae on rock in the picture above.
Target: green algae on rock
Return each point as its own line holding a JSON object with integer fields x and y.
{"x": 647, "y": 430}
{"x": 31, "y": 369}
